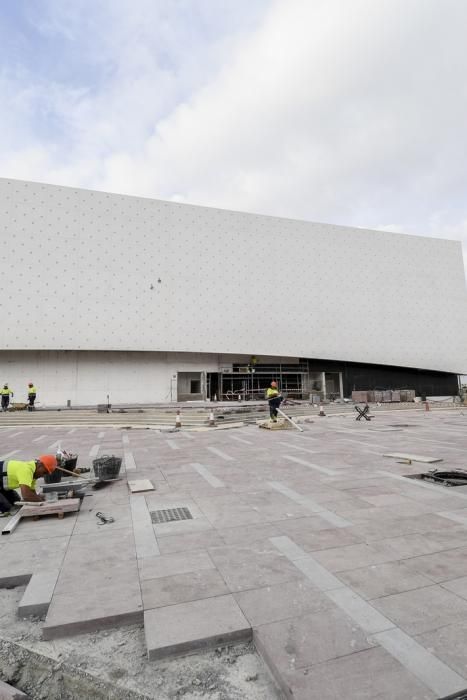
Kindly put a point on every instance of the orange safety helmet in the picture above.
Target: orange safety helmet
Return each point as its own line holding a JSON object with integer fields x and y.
{"x": 49, "y": 462}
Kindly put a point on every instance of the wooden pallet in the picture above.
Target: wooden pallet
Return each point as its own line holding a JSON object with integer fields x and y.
{"x": 59, "y": 508}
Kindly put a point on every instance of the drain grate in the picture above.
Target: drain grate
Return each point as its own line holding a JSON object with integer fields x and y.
{"x": 455, "y": 477}
{"x": 170, "y": 514}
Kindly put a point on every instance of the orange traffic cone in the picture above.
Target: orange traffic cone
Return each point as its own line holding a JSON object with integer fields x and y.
{"x": 178, "y": 419}
{"x": 212, "y": 421}
{"x": 427, "y": 406}
{"x": 321, "y": 410}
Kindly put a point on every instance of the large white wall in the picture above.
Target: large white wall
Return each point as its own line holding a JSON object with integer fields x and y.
{"x": 85, "y": 378}
{"x": 94, "y": 271}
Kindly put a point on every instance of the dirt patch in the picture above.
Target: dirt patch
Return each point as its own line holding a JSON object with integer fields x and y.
{"x": 113, "y": 665}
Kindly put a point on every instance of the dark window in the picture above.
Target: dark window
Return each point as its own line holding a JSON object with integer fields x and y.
{"x": 195, "y": 386}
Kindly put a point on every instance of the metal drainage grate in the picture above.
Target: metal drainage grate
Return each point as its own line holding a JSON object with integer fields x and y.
{"x": 170, "y": 514}
{"x": 455, "y": 477}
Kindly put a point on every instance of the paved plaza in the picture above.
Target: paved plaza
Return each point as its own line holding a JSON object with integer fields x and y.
{"x": 350, "y": 579}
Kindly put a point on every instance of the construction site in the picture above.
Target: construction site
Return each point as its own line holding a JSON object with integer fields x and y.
{"x": 227, "y": 562}
{"x": 222, "y": 485}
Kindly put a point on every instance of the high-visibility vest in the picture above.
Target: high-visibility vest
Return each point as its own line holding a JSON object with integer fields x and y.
{"x": 6, "y": 392}
{"x": 32, "y": 390}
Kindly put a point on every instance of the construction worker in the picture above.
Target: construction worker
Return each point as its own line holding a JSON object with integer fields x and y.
{"x": 32, "y": 391}
{"x": 22, "y": 476}
{"x": 5, "y": 394}
{"x": 275, "y": 399}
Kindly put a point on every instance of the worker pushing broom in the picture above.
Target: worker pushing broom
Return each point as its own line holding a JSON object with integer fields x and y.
{"x": 275, "y": 399}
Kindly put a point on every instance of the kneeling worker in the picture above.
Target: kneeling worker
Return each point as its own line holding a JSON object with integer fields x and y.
{"x": 22, "y": 475}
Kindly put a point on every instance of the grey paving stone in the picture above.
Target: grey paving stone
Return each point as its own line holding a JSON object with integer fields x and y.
{"x": 252, "y": 567}
{"x": 320, "y": 577}
{"x": 427, "y": 668}
{"x": 189, "y": 542}
{"x": 308, "y": 524}
{"x": 448, "y": 643}
{"x": 104, "y": 542}
{"x": 173, "y": 564}
{"x": 362, "y": 613}
{"x": 309, "y": 639}
{"x": 246, "y": 534}
{"x": 38, "y": 594}
{"x": 414, "y": 545}
{"x": 312, "y": 540}
{"x": 383, "y": 579}
{"x": 182, "y": 588}
{"x": 182, "y": 527}
{"x": 22, "y": 558}
{"x": 352, "y": 557}
{"x": 422, "y": 609}
{"x": 114, "y": 599}
{"x": 367, "y": 675}
{"x": 281, "y": 601}
{"x": 441, "y": 566}
{"x": 187, "y": 627}
{"x": 457, "y": 586}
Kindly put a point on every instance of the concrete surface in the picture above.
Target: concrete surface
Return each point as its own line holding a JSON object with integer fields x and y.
{"x": 338, "y": 566}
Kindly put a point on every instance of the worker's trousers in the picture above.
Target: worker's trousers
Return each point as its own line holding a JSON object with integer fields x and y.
{"x": 8, "y": 497}
{"x": 274, "y": 405}
{"x": 31, "y": 398}
{"x": 5, "y": 402}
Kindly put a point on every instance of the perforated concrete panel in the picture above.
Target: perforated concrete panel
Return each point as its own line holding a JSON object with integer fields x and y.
{"x": 96, "y": 271}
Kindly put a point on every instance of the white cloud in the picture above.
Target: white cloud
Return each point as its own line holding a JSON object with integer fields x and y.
{"x": 346, "y": 112}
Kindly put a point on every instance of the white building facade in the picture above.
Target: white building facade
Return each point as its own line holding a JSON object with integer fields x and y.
{"x": 147, "y": 301}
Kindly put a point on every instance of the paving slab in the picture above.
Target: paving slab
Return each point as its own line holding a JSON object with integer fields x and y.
{"x": 434, "y": 673}
{"x": 111, "y": 596}
{"x": 252, "y": 567}
{"x": 189, "y": 542}
{"x": 22, "y": 558}
{"x": 422, "y": 609}
{"x": 441, "y": 566}
{"x": 38, "y": 594}
{"x": 182, "y": 588}
{"x": 173, "y": 564}
{"x": 139, "y": 485}
{"x": 188, "y": 627}
{"x": 367, "y": 675}
{"x": 281, "y": 601}
{"x": 448, "y": 643}
{"x": 309, "y": 639}
{"x": 351, "y": 557}
{"x": 383, "y": 579}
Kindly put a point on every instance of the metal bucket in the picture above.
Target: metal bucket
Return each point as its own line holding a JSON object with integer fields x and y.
{"x": 107, "y": 467}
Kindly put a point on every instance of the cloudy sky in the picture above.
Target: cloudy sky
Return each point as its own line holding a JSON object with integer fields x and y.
{"x": 344, "y": 111}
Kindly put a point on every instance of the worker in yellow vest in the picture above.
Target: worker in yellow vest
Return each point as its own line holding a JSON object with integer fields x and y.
{"x": 32, "y": 391}
{"x": 16, "y": 475}
{"x": 274, "y": 399}
{"x": 5, "y": 393}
